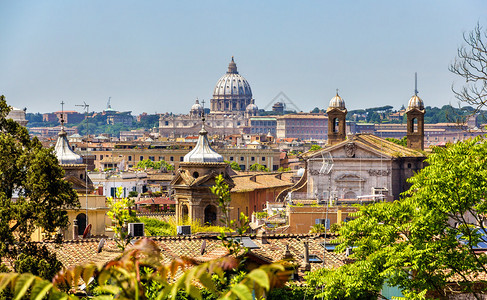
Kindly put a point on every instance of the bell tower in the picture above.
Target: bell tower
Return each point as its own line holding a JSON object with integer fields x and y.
{"x": 337, "y": 114}
{"x": 415, "y": 120}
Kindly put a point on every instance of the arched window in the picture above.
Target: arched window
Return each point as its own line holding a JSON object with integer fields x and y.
{"x": 414, "y": 125}
{"x": 81, "y": 218}
{"x": 336, "y": 125}
{"x": 210, "y": 214}
{"x": 184, "y": 212}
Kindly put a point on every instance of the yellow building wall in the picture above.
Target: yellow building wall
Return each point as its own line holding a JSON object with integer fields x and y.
{"x": 302, "y": 218}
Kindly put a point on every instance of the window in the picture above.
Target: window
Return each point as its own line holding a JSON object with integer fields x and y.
{"x": 242, "y": 167}
{"x": 263, "y": 158}
{"x": 171, "y": 158}
{"x": 151, "y": 158}
{"x": 101, "y": 157}
{"x": 130, "y": 157}
{"x": 231, "y": 158}
{"x": 161, "y": 157}
{"x": 141, "y": 157}
{"x": 241, "y": 158}
{"x": 252, "y": 158}
{"x": 325, "y": 222}
{"x": 181, "y": 158}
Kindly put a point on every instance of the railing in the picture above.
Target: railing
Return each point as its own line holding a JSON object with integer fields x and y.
{"x": 156, "y": 214}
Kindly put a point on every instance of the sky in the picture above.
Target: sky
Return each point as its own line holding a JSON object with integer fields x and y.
{"x": 159, "y": 56}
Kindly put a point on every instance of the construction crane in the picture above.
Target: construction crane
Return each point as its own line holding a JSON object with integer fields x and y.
{"x": 86, "y": 107}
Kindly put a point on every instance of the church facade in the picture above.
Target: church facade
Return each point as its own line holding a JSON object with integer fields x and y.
{"x": 364, "y": 166}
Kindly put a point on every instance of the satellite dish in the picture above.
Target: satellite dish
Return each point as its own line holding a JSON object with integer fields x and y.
{"x": 203, "y": 247}
{"x": 100, "y": 245}
{"x": 87, "y": 231}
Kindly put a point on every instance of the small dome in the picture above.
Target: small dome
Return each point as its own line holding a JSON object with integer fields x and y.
{"x": 337, "y": 102}
{"x": 65, "y": 155}
{"x": 202, "y": 152}
{"x": 232, "y": 84}
{"x": 197, "y": 106}
{"x": 252, "y": 107}
{"x": 415, "y": 102}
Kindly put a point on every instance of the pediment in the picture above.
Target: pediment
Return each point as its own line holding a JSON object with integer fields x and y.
{"x": 184, "y": 178}
{"x": 348, "y": 149}
{"x": 350, "y": 178}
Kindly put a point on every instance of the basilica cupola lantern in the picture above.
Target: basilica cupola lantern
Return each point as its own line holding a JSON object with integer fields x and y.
{"x": 415, "y": 121}
{"x": 337, "y": 114}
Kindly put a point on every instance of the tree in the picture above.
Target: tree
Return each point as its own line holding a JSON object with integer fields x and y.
{"x": 403, "y": 142}
{"x": 470, "y": 64}
{"x": 33, "y": 193}
{"x": 425, "y": 242}
{"x": 121, "y": 214}
{"x": 157, "y": 165}
{"x": 222, "y": 191}
{"x": 258, "y": 168}
{"x": 315, "y": 148}
{"x": 234, "y": 165}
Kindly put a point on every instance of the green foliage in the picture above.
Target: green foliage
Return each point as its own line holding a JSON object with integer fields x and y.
{"x": 317, "y": 228}
{"x": 258, "y": 168}
{"x": 291, "y": 292}
{"x": 37, "y": 260}
{"x": 335, "y": 228}
{"x": 222, "y": 191}
{"x": 234, "y": 165}
{"x": 33, "y": 173}
{"x": 316, "y": 110}
{"x": 315, "y": 148}
{"x": 157, "y": 227}
{"x": 121, "y": 214}
{"x": 156, "y": 165}
{"x": 281, "y": 169}
{"x": 261, "y": 214}
{"x": 133, "y": 194}
{"x": 429, "y": 234}
{"x": 403, "y": 142}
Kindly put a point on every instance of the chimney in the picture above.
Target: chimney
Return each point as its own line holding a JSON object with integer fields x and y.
{"x": 287, "y": 254}
{"x": 261, "y": 236}
{"x": 306, "y": 265}
{"x": 75, "y": 229}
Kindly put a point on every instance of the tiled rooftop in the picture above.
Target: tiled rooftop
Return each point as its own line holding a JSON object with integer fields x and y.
{"x": 200, "y": 247}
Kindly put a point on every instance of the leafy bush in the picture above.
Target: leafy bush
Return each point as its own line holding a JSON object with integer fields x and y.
{"x": 155, "y": 227}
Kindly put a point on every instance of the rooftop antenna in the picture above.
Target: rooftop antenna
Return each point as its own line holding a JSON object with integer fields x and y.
{"x": 416, "y": 83}
{"x": 108, "y": 103}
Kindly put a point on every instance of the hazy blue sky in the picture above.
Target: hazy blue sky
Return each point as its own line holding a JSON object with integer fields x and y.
{"x": 158, "y": 56}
